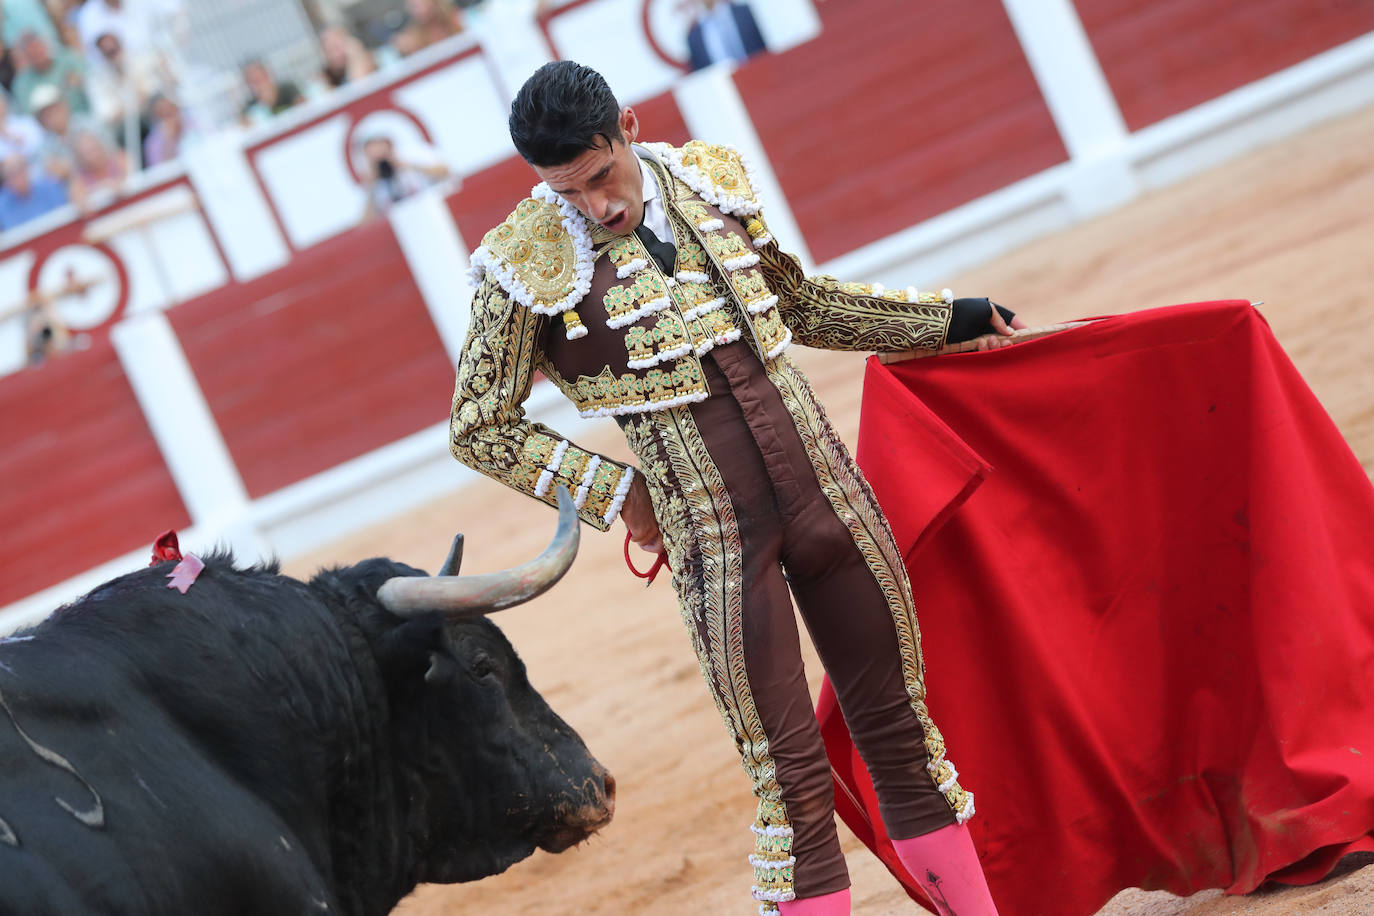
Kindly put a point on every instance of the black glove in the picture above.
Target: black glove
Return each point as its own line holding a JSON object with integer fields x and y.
{"x": 973, "y": 318}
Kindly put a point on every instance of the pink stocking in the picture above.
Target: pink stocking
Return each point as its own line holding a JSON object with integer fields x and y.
{"x": 944, "y": 863}
{"x": 836, "y": 904}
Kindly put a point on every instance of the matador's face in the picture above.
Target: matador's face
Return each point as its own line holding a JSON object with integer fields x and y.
{"x": 604, "y": 183}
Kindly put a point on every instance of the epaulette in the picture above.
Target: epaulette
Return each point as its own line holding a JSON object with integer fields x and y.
{"x": 715, "y": 171}
{"x": 541, "y": 254}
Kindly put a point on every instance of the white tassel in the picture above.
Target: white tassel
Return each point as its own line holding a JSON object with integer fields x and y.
{"x": 760, "y": 306}
{"x": 631, "y": 268}
{"x": 710, "y": 225}
{"x": 550, "y": 469}
{"x": 696, "y": 311}
{"x": 771, "y": 830}
{"x": 581, "y": 498}
{"x": 692, "y": 276}
{"x": 741, "y": 262}
{"x": 662, "y": 357}
{"x": 776, "y": 351}
{"x": 619, "y": 498}
{"x": 650, "y": 407}
{"x": 648, "y": 308}
{"x": 965, "y": 812}
{"x": 770, "y": 865}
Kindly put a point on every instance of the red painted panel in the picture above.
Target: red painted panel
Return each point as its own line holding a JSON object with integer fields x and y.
{"x": 898, "y": 111}
{"x": 488, "y": 196}
{"x": 81, "y": 478}
{"x": 1166, "y": 56}
{"x": 321, "y": 361}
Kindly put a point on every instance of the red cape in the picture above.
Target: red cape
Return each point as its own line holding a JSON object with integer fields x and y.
{"x": 1149, "y": 632}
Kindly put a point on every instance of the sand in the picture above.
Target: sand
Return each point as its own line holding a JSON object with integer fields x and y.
{"x": 1290, "y": 224}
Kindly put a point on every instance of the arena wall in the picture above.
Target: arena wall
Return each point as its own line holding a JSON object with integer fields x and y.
{"x": 262, "y": 368}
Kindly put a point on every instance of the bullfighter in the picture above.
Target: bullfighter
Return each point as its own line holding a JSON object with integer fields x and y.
{"x": 642, "y": 279}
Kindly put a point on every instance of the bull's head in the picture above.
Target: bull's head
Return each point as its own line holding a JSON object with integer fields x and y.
{"x": 493, "y": 771}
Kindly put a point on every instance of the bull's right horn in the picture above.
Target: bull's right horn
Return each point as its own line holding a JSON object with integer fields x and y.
{"x": 471, "y": 596}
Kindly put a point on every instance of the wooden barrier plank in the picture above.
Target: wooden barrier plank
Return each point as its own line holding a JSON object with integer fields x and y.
{"x": 81, "y": 478}
{"x": 1162, "y": 57}
{"x": 319, "y": 362}
{"x": 896, "y": 113}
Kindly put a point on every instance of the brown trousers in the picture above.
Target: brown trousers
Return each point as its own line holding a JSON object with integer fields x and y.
{"x": 786, "y": 523}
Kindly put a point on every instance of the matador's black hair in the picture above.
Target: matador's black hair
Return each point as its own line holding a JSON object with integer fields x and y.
{"x": 560, "y": 112}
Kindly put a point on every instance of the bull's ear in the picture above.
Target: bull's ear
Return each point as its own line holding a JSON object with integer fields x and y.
{"x": 441, "y": 668}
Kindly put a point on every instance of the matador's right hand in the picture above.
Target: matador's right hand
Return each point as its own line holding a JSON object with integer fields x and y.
{"x": 638, "y": 514}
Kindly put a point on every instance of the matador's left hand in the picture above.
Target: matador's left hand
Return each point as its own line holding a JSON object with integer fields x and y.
{"x": 1002, "y": 330}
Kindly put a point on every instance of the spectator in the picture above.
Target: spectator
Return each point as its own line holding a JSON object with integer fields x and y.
{"x": 19, "y": 133}
{"x": 56, "y": 154}
{"x": 391, "y": 179}
{"x": 149, "y": 34}
{"x": 267, "y": 97}
{"x": 22, "y": 16}
{"x": 119, "y": 85}
{"x": 25, "y": 196}
{"x": 97, "y": 168}
{"x": 172, "y": 132}
{"x": 8, "y": 66}
{"x": 428, "y": 22}
{"x": 46, "y": 66}
{"x": 45, "y": 334}
{"x": 345, "y": 57}
{"x": 722, "y": 30}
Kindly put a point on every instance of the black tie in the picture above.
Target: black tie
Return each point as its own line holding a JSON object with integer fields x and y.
{"x": 662, "y": 252}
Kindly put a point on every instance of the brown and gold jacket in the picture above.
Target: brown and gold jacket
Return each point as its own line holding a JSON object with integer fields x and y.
{"x": 618, "y": 335}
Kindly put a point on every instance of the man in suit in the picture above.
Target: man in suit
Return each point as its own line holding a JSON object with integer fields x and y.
{"x": 642, "y": 280}
{"x": 722, "y": 30}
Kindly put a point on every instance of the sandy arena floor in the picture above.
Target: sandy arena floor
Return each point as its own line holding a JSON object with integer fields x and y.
{"x": 1290, "y": 225}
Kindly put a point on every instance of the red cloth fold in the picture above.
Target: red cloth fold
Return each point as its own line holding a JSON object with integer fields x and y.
{"x": 1149, "y": 631}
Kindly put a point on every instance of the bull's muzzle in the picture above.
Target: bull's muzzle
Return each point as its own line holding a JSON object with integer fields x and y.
{"x": 471, "y": 596}
{"x": 577, "y": 823}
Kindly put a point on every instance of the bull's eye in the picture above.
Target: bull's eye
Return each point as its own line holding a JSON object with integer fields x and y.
{"x": 483, "y": 666}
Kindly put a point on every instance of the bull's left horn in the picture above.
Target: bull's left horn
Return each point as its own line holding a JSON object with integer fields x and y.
{"x": 472, "y": 596}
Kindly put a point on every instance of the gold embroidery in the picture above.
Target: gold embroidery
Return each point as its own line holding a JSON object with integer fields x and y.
{"x": 542, "y": 255}
{"x": 822, "y": 312}
{"x": 854, "y": 503}
{"x": 488, "y": 430}
{"x": 708, "y": 574}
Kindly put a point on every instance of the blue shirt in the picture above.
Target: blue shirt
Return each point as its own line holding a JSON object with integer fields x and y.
{"x": 45, "y": 194}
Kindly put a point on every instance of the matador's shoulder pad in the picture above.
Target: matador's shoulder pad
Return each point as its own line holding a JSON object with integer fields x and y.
{"x": 715, "y": 171}
{"x": 541, "y": 254}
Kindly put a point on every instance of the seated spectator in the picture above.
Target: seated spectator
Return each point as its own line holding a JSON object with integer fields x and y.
{"x": 48, "y": 66}
{"x": 722, "y": 30}
{"x": 97, "y": 168}
{"x": 25, "y": 196}
{"x": 172, "y": 132}
{"x": 390, "y": 179}
{"x": 345, "y": 57}
{"x": 427, "y": 22}
{"x": 19, "y": 133}
{"x": 56, "y": 154}
{"x": 266, "y": 96}
{"x": 109, "y": 82}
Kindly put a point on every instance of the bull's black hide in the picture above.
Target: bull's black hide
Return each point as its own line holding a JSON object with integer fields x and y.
{"x": 265, "y": 746}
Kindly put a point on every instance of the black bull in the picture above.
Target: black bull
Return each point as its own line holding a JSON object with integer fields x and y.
{"x": 268, "y": 746}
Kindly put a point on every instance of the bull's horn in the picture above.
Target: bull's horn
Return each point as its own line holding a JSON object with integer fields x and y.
{"x": 471, "y": 596}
